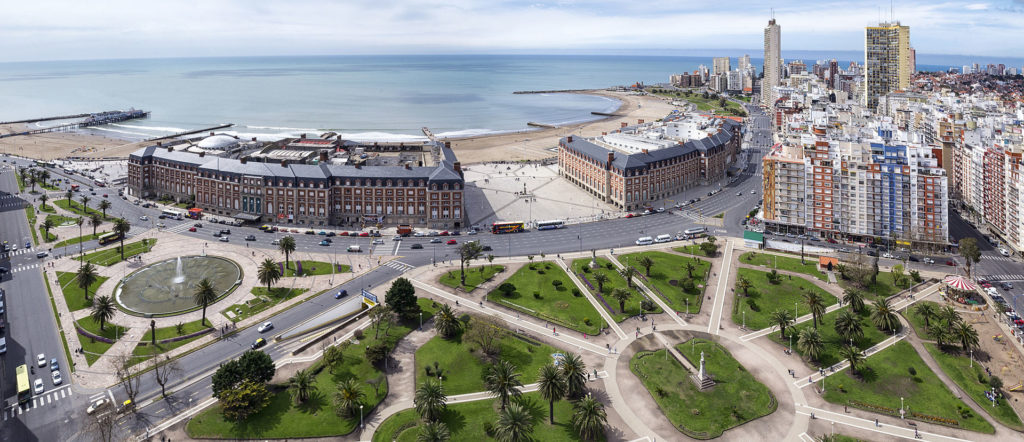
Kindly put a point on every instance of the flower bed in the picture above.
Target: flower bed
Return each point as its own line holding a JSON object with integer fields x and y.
{"x": 94, "y": 337}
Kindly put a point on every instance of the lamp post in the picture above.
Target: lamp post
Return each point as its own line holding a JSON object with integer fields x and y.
{"x": 901, "y": 407}
{"x": 972, "y": 358}
{"x": 796, "y": 313}
{"x": 361, "y": 425}
{"x": 744, "y": 319}
{"x": 421, "y": 321}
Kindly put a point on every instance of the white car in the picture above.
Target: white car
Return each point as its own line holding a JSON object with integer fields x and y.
{"x": 41, "y": 360}
{"x": 56, "y": 377}
{"x": 275, "y": 242}
{"x": 100, "y": 403}
{"x": 161, "y": 225}
{"x": 928, "y": 261}
{"x": 143, "y": 218}
{"x": 1004, "y": 252}
{"x": 265, "y": 326}
{"x": 396, "y": 238}
{"x": 37, "y": 387}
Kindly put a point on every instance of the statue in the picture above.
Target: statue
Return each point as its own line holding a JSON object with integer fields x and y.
{"x": 593, "y": 259}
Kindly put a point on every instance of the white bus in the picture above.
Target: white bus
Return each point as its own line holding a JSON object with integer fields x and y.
{"x": 550, "y": 225}
{"x": 173, "y": 214}
{"x": 695, "y": 232}
{"x": 663, "y": 238}
{"x": 645, "y": 241}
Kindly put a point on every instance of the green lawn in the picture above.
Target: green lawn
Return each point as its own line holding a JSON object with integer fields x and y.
{"x": 311, "y": 268}
{"x": 887, "y": 377}
{"x": 833, "y": 342}
{"x": 46, "y": 208}
{"x": 667, "y": 273}
{"x": 771, "y": 261}
{"x": 692, "y": 249}
{"x": 145, "y": 349}
{"x": 78, "y": 239}
{"x": 959, "y": 369}
{"x": 316, "y": 417}
{"x": 736, "y": 398}
{"x": 882, "y": 288}
{"x": 262, "y": 302}
{"x": 559, "y": 305}
{"x": 474, "y": 276}
{"x": 75, "y": 296}
{"x": 93, "y": 349}
{"x": 615, "y": 280}
{"x": 916, "y": 321}
{"x": 765, "y": 298}
{"x": 76, "y": 208}
{"x": 464, "y": 363}
{"x": 111, "y": 256}
{"x": 30, "y": 214}
{"x": 708, "y": 104}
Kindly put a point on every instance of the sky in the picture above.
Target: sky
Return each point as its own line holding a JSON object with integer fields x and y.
{"x": 60, "y": 30}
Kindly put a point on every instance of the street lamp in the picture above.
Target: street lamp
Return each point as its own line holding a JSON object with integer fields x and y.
{"x": 361, "y": 425}
{"x": 901, "y": 407}
{"x": 421, "y": 321}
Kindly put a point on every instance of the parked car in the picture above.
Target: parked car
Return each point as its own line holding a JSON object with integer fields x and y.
{"x": 54, "y": 365}
{"x": 1004, "y": 252}
{"x": 55, "y": 375}
{"x": 41, "y": 359}
{"x": 224, "y": 239}
{"x": 38, "y": 387}
{"x": 325, "y": 243}
{"x": 191, "y": 229}
{"x": 250, "y": 238}
{"x": 928, "y": 260}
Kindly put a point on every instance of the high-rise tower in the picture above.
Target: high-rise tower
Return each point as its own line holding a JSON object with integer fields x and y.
{"x": 888, "y": 62}
{"x": 772, "y": 62}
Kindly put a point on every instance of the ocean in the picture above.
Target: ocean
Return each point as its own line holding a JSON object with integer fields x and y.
{"x": 362, "y": 97}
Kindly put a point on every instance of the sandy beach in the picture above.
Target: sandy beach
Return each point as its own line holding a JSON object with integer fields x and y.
{"x": 55, "y": 145}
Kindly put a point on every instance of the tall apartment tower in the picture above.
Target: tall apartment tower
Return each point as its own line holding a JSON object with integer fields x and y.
{"x": 772, "y": 62}
{"x": 887, "y": 60}
{"x": 720, "y": 65}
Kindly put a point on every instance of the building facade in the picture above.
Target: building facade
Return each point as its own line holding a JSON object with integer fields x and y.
{"x": 887, "y": 61}
{"x": 772, "y": 62}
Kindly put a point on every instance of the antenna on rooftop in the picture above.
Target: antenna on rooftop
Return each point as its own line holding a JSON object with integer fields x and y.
{"x": 773, "y": 13}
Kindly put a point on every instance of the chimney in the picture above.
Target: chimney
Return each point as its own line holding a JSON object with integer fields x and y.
{"x": 323, "y": 156}
{"x": 644, "y": 151}
{"x": 159, "y": 143}
{"x": 623, "y": 124}
{"x": 253, "y": 139}
{"x": 284, "y": 163}
{"x": 202, "y": 153}
{"x": 303, "y": 136}
{"x": 569, "y": 140}
{"x": 407, "y": 166}
{"x": 640, "y": 121}
{"x": 611, "y": 157}
{"x": 243, "y": 159}
{"x": 211, "y": 134}
{"x": 170, "y": 148}
{"x": 458, "y": 167}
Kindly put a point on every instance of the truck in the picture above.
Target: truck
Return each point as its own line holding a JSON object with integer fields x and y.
{"x": 404, "y": 230}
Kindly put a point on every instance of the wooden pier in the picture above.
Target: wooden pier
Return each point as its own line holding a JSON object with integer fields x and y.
{"x": 192, "y": 132}
{"x": 95, "y": 119}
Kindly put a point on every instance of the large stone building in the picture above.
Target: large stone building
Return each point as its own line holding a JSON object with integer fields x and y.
{"x": 311, "y": 182}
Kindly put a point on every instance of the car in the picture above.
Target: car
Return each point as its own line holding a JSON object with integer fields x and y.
{"x": 258, "y": 343}
{"x": 471, "y": 232}
{"x": 739, "y": 193}
{"x": 416, "y": 246}
{"x": 378, "y": 241}
{"x": 1006, "y": 285}
{"x": 198, "y": 225}
{"x": 1004, "y": 252}
{"x": 38, "y": 386}
{"x": 341, "y": 294}
{"x": 41, "y": 254}
{"x": 162, "y": 216}
{"x": 330, "y": 234}
{"x": 753, "y": 191}
{"x": 310, "y": 232}
{"x": 250, "y": 237}
{"x": 216, "y": 234}
{"x": 928, "y": 260}
{"x": 419, "y": 234}
{"x": 265, "y": 326}
{"x": 143, "y": 218}
{"x": 275, "y": 242}
{"x": 486, "y": 248}
{"x": 104, "y": 195}
{"x": 435, "y": 240}
{"x": 225, "y": 231}
{"x": 444, "y": 233}
{"x": 456, "y": 233}
{"x": 161, "y": 225}
{"x": 191, "y": 229}
{"x": 322, "y": 233}
{"x": 871, "y": 252}
{"x": 451, "y": 242}
{"x": 352, "y": 234}
{"x": 887, "y": 255}
{"x": 913, "y": 258}
{"x": 397, "y": 238}
{"x": 41, "y": 359}
{"x": 364, "y": 234}
{"x": 325, "y": 243}
{"x": 14, "y": 246}
{"x": 224, "y": 239}
{"x": 96, "y": 405}
{"x": 950, "y": 262}
{"x": 53, "y": 365}
{"x": 630, "y": 215}
{"x": 55, "y": 375}
{"x": 986, "y": 285}
{"x": 660, "y": 210}
{"x": 28, "y": 245}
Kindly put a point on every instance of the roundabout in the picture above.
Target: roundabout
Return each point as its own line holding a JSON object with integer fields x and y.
{"x": 166, "y": 287}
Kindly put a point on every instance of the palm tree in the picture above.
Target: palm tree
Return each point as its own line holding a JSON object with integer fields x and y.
{"x": 102, "y": 310}
{"x": 854, "y": 298}
{"x": 121, "y": 226}
{"x": 622, "y": 295}
{"x": 446, "y": 323}
{"x": 286, "y": 246}
{"x": 600, "y": 279}
{"x": 104, "y": 205}
{"x": 646, "y": 262}
{"x": 42, "y": 200}
{"x": 817, "y": 305}
{"x": 515, "y": 424}
{"x": 744, "y": 285}
{"x": 44, "y": 176}
{"x": 942, "y": 335}
{"x": 430, "y": 400}
{"x": 852, "y": 355}
{"x": 628, "y": 273}
{"x": 552, "y": 387}
{"x": 95, "y": 220}
{"x": 926, "y": 311}
{"x": 85, "y": 203}
{"x": 204, "y": 296}
{"x": 589, "y": 418}
{"x": 70, "y": 196}
{"x": 268, "y": 273}
{"x": 303, "y": 385}
{"x": 86, "y": 277}
{"x": 966, "y": 334}
{"x": 348, "y": 397}
{"x": 47, "y": 225}
{"x": 689, "y": 268}
{"x": 781, "y": 318}
{"x": 950, "y": 315}
{"x": 883, "y": 316}
{"x": 434, "y": 432}
{"x": 848, "y": 325}
{"x": 79, "y": 221}
{"x": 575, "y": 372}
{"x": 502, "y": 380}
{"x": 810, "y": 343}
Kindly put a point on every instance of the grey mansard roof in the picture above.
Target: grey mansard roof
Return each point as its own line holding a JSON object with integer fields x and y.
{"x": 642, "y": 160}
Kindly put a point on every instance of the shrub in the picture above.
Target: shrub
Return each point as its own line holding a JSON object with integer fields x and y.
{"x": 358, "y": 334}
{"x": 981, "y": 378}
{"x": 608, "y": 265}
{"x": 546, "y": 266}
{"x": 507, "y": 289}
{"x": 536, "y": 295}
{"x": 557, "y": 283}
{"x": 753, "y": 305}
{"x": 489, "y": 428}
{"x": 912, "y": 371}
{"x": 647, "y": 305}
{"x": 576, "y": 292}
{"x": 540, "y": 272}
{"x": 586, "y": 321}
{"x": 586, "y": 269}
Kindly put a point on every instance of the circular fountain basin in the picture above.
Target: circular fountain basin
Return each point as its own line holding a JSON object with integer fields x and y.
{"x": 166, "y": 287}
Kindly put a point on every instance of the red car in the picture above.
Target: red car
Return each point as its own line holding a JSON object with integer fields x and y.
{"x": 629, "y": 215}
{"x": 451, "y": 241}
{"x": 364, "y": 234}
{"x": 986, "y": 285}
{"x": 104, "y": 195}
{"x": 444, "y": 233}
{"x": 951, "y": 263}
{"x": 191, "y": 229}
{"x": 343, "y": 234}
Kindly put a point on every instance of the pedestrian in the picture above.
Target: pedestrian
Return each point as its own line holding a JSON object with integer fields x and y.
{"x": 876, "y": 421}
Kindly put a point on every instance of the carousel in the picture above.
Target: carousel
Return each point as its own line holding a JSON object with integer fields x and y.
{"x": 962, "y": 291}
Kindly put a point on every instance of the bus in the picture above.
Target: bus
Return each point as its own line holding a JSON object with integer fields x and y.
{"x": 695, "y": 232}
{"x": 550, "y": 225}
{"x": 508, "y": 227}
{"x": 173, "y": 214}
{"x": 24, "y": 387}
{"x": 108, "y": 238}
{"x": 74, "y": 187}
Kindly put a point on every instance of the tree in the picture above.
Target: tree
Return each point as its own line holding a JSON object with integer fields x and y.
{"x": 926, "y": 311}
{"x": 377, "y": 353}
{"x": 966, "y": 335}
{"x": 124, "y": 369}
{"x": 332, "y": 356}
{"x": 286, "y": 246}
{"x": 490, "y": 259}
{"x": 853, "y": 355}
{"x": 348, "y": 397}
{"x": 848, "y": 325}
{"x": 85, "y": 203}
{"x": 95, "y": 221}
{"x": 42, "y": 200}
{"x": 244, "y": 400}
{"x": 689, "y": 267}
{"x": 434, "y": 432}
{"x": 970, "y": 252}
{"x": 874, "y": 269}
{"x": 401, "y": 297}
{"x": 575, "y": 372}
{"x": 600, "y": 279}
{"x": 47, "y": 225}
{"x": 69, "y": 194}
{"x": 103, "y": 309}
{"x": 152, "y": 331}
{"x": 515, "y": 424}
{"x": 485, "y": 331}
{"x": 164, "y": 368}
{"x": 646, "y": 262}
{"x": 942, "y": 335}
{"x": 257, "y": 366}
{"x": 302, "y": 385}
{"x": 204, "y": 295}
{"x": 781, "y": 318}
{"x": 430, "y": 400}
{"x": 44, "y": 176}
{"x": 950, "y": 315}
{"x": 86, "y": 277}
{"x": 507, "y": 289}
{"x": 502, "y": 379}
{"x": 381, "y": 315}
{"x": 995, "y": 382}
{"x": 589, "y": 418}
{"x": 883, "y": 316}
{"x": 268, "y": 273}
{"x": 468, "y": 251}
{"x": 104, "y": 205}
{"x": 897, "y": 274}
{"x": 810, "y": 343}
{"x": 628, "y": 273}
{"x": 446, "y": 322}
{"x": 121, "y": 227}
{"x": 622, "y": 295}
{"x": 101, "y": 426}
{"x": 709, "y": 247}
{"x": 816, "y": 304}
{"x": 854, "y": 298}
{"x": 552, "y": 387}
{"x": 744, "y": 285}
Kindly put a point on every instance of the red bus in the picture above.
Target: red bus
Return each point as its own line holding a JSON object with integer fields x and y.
{"x": 74, "y": 187}
{"x": 508, "y": 227}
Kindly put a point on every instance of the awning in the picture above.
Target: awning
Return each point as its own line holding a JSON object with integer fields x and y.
{"x": 958, "y": 282}
{"x": 246, "y": 216}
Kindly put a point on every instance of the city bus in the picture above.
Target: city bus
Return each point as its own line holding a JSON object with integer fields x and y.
{"x": 74, "y": 187}
{"x": 24, "y": 387}
{"x": 173, "y": 214}
{"x": 695, "y": 232}
{"x": 108, "y": 238}
{"x": 550, "y": 225}
{"x": 508, "y": 227}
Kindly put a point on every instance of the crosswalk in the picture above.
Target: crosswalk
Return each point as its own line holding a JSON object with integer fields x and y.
{"x": 26, "y": 267}
{"x": 13, "y": 204}
{"x": 42, "y": 400}
{"x": 1004, "y": 277}
{"x": 399, "y": 265}
{"x": 16, "y": 253}
{"x": 997, "y": 258}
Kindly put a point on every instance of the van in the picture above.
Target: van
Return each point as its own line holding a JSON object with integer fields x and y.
{"x": 663, "y": 238}
{"x": 354, "y": 249}
{"x": 3, "y": 346}
{"x": 644, "y": 241}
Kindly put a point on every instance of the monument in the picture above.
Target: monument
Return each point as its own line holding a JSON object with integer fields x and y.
{"x": 702, "y": 379}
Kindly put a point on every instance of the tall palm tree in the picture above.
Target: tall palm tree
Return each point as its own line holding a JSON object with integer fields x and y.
{"x": 810, "y": 343}
{"x": 86, "y": 277}
{"x": 854, "y": 298}
{"x": 883, "y": 316}
{"x": 286, "y": 246}
{"x": 689, "y": 267}
{"x": 744, "y": 285}
{"x": 95, "y": 220}
{"x": 85, "y": 203}
{"x": 816, "y": 304}
{"x": 102, "y": 310}
{"x": 848, "y": 325}
{"x": 47, "y": 225}
{"x": 622, "y": 295}
{"x": 434, "y": 432}
{"x": 121, "y": 226}
{"x": 70, "y": 196}
{"x": 44, "y": 176}
{"x": 853, "y": 355}
{"x": 589, "y": 418}
{"x": 302, "y": 385}
{"x": 575, "y": 372}
{"x": 628, "y": 273}
{"x": 942, "y": 335}
{"x": 430, "y": 400}
{"x": 600, "y": 279}
{"x": 966, "y": 334}
{"x": 646, "y": 262}
{"x": 926, "y": 311}
{"x": 950, "y": 315}
{"x": 104, "y": 205}
{"x": 204, "y": 296}
{"x": 446, "y": 323}
{"x": 552, "y": 387}
{"x": 781, "y": 318}
{"x": 79, "y": 221}
{"x": 268, "y": 273}
{"x": 42, "y": 199}
{"x": 502, "y": 380}
{"x": 515, "y": 424}
{"x": 348, "y": 397}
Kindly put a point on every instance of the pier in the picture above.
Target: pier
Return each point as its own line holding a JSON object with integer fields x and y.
{"x": 192, "y": 132}
{"x": 36, "y": 120}
{"x": 96, "y": 119}
{"x": 562, "y": 91}
{"x": 607, "y": 114}
{"x": 545, "y": 126}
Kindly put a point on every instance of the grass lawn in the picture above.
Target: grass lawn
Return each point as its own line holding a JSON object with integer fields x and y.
{"x": 558, "y": 305}
{"x": 261, "y": 303}
{"x": 614, "y": 280}
{"x": 93, "y": 349}
{"x": 735, "y": 399}
{"x": 708, "y": 104}
{"x": 463, "y": 362}
{"x": 316, "y": 417}
{"x": 46, "y": 208}
{"x": 75, "y": 296}
{"x": 692, "y": 249}
{"x": 474, "y": 276}
{"x": 666, "y": 274}
{"x": 886, "y": 377}
{"x": 791, "y": 264}
{"x": 720, "y": 215}
{"x": 30, "y": 214}
{"x": 917, "y": 322}
{"x": 882, "y": 288}
{"x": 78, "y": 239}
{"x": 145, "y": 350}
{"x": 76, "y": 208}
{"x": 767, "y": 297}
{"x": 310, "y": 268}
{"x": 111, "y": 256}
{"x": 959, "y": 369}
{"x": 833, "y": 342}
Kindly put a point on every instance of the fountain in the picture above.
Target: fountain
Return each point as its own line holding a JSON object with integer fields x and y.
{"x": 166, "y": 287}
{"x": 179, "y": 277}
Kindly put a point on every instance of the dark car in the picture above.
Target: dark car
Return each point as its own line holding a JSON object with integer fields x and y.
{"x": 486, "y": 248}
{"x": 872, "y": 252}
{"x": 341, "y": 294}
{"x": 259, "y": 343}
{"x": 216, "y": 234}
{"x": 225, "y": 231}
{"x": 199, "y": 225}
{"x": 416, "y": 246}
{"x": 329, "y": 234}
{"x": 250, "y": 238}
{"x": 913, "y": 258}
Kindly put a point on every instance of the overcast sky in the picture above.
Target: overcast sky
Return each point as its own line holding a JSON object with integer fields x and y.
{"x": 54, "y": 29}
